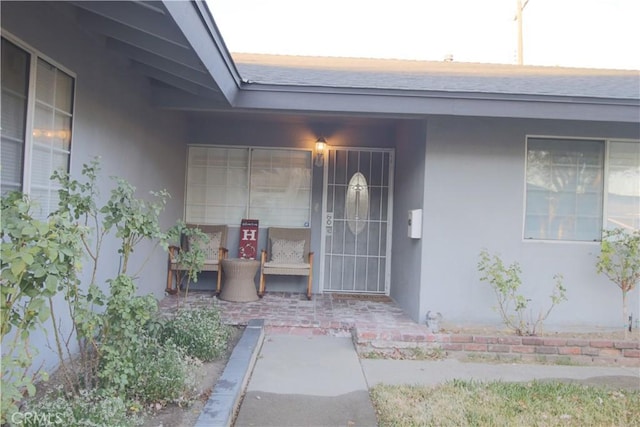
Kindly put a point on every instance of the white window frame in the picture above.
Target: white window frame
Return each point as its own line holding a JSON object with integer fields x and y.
{"x": 34, "y": 56}
{"x": 248, "y": 210}
{"x": 605, "y": 170}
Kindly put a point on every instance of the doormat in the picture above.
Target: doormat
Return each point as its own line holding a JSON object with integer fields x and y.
{"x": 362, "y": 297}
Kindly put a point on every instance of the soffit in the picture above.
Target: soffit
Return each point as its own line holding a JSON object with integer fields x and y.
{"x": 148, "y": 35}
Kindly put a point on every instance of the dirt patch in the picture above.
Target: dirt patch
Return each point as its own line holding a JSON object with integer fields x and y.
{"x": 206, "y": 376}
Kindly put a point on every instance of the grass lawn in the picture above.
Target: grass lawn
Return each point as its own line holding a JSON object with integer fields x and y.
{"x": 471, "y": 403}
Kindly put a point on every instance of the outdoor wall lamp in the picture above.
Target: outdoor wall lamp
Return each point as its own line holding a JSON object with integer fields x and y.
{"x": 321, "y": 146}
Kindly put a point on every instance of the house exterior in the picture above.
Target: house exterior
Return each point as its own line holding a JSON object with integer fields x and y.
{"x": 527, "y": 162}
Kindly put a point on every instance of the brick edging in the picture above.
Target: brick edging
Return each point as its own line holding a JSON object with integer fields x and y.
{"x": 552, "y": 349}
{"x": 612, "y": 351}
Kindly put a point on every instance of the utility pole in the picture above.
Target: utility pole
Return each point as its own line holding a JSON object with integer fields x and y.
{"x": 518, "y": 18}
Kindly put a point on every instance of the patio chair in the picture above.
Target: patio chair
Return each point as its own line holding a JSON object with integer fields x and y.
{"x": 215, "y": 251}
{"x": 287, "y": 254}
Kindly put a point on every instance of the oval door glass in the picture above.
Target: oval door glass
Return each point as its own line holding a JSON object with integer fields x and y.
{"x": 357, "y": 203}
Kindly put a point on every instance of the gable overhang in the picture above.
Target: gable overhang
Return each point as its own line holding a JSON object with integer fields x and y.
{"x": 174, "y": 44}
{"x": 197, "y": 25}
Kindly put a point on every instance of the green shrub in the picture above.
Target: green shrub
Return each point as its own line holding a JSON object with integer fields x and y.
{"x": 107, "y": 349}
{"x": 619, "y": 260}
{"x": 86, "y": 408}
{"x": 162, "y": 374}
{"x": 512, "y": 306}
{"x": 106, "y": 337}
{"x": 35, "y": 261}
{"x": 123, "y": 333}
{"x": 158, "y": 374}
{"x": 200, "y": 332}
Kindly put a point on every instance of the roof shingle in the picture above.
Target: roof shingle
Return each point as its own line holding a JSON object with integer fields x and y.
{"x": 366, "y": 73}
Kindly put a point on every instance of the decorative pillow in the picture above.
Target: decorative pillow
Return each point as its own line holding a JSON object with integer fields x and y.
{"x": 287, "y": 251}
{"x": 212, "y": 248}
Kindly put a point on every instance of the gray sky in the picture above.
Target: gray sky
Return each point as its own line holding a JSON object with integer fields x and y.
{"x": 575, "y": 33}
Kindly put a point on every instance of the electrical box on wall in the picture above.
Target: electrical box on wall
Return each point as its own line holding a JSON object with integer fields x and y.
{"x": 415, "y": 223}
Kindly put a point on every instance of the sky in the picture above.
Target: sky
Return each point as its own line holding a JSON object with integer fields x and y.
{"x": 572, "y": 33}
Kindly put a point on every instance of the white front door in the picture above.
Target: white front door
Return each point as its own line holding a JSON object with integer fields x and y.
{"x": 356, "y": 231}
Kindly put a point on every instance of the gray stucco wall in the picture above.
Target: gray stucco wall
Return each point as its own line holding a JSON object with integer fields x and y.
{"x": 406, "y": 253}
{"x": 474, "y": 199}
{"x": 113, "y": 119}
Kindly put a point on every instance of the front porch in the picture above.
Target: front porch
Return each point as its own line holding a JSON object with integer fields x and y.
{"x": 377, "y": 324}
{"x": 368, "y": 317}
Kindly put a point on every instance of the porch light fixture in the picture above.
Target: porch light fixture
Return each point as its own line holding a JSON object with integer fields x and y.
{"x": 321, "y": 146}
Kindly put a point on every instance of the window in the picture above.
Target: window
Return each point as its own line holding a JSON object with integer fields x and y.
{"x": 37, "y": 112}
{"x": 623, "y": 185}
{"x": 217, "y": 185}
{"x": 15, "y": 85}
{"x": 280, "y": 193}
{"x": 226, "y": 184}
{"x": 565, "y": 188}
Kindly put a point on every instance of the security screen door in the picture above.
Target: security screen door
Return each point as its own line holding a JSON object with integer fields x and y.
{"x": 357, "y": 226}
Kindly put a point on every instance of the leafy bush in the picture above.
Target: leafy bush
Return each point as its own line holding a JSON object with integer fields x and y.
{"x": 86, "y": 408}
{"x": 107, "y": 340}
{"x": 200, "y": 332}
{"x": 193, "y": 258}
{"x": 35, "y": 261}
{"x": 115, "y": 357}
{"x": 161, "y": 374}
{"x": 123, "y": 333}
{"x": 512, "y": 306}
{"x": 619, "y": 260}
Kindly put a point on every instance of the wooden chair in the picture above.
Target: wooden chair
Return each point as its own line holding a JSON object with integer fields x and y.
{"x": 215, "y": 251}
{"x": 287, "y": 254}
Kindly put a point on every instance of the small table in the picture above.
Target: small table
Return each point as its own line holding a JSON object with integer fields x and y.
{"x": 239, "y": 280}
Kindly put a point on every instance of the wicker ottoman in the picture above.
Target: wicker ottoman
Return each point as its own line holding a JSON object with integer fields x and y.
{"x": 239, "y": 280}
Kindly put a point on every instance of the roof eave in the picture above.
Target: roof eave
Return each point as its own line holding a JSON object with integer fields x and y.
{"x": 403, "y": 103}
{"x": 243, "y": 96}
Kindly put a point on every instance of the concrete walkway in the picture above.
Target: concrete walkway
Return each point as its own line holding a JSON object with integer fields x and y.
{"x": 319, "y": 381}
{"x": 307, "y": 381}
